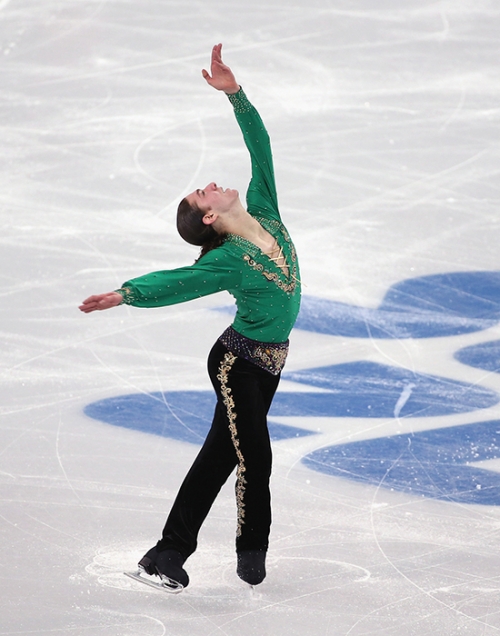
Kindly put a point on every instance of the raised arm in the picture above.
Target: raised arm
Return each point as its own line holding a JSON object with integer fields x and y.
{"x": 261, "y": 195}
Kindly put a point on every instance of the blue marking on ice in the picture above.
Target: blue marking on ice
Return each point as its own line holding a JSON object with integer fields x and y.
{"x": 358, "y": 389}
{"x": 436, "y": 463}
{"x": 482, "y": 356}
{"x": 182, "y": 415}
{"x": 368, "y": 389}
{"x": 425, "y": 307}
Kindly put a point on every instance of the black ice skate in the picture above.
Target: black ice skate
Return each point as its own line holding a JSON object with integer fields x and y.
{"x": 251, "y": 566}
{"x": 162, "y": 570}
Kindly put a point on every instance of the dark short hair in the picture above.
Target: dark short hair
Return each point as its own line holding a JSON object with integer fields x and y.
{"x": 192, "y": 229}
{"x": 190, "y": 224}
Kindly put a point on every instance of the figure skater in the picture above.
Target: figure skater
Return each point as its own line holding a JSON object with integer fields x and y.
{"x": 248, "y": 252}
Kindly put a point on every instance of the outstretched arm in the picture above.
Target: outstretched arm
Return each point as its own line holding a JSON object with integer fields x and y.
{"x": 221, "y": 78}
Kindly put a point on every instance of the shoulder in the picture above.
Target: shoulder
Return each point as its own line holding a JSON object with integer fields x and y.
{"x": 220, "y": 257}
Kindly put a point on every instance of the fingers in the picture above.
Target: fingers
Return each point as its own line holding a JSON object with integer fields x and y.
{"x": 220, "y": 77}
{"x": 217, "y": 53}
{"x": 91, "y": 300}
{"x": 217, "y": 68}
{"x": 215, "y": 62}
{"x": 100, "y": 302}
{"x": 216, "y": 56}
{"x": 87, "y": 308}
{"x": 89, "y": 304}
{"x": 206, "y": 75}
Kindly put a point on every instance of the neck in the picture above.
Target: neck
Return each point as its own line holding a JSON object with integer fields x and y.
{"x": 239, "y": 221}
{"x": 247, "y": 227}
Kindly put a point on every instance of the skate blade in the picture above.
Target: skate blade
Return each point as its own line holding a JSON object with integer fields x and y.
{"x": 164, "y": 584}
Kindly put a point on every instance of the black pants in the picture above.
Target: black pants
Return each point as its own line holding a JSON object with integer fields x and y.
{"x": 238, "y": 438}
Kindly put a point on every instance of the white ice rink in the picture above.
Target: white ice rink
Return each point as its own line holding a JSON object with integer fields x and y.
{"x": 384, "y": 117}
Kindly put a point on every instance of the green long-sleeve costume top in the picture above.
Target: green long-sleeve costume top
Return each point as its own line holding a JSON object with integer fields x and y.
{"x": 267, "y": 298}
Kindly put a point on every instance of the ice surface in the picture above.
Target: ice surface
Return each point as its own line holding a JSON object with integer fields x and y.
{"x": 384, "y": 119}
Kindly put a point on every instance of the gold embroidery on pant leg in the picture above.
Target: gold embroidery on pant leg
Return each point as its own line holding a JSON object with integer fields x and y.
{"x": 225, "y": 367}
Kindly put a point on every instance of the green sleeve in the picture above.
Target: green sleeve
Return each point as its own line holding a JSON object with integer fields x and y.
{"x": 261, "y": 195}
{"x": 213, "y": 273}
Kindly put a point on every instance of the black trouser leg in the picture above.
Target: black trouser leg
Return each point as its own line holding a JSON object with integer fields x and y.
{"x": 238, "y": 437}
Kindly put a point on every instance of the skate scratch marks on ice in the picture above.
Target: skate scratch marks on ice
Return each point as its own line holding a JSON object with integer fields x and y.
{"x": 403, "y": 398}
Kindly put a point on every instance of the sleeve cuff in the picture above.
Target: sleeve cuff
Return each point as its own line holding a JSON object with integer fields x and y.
{"x": 240, "y": 102}
{"x": 127, "y": 295}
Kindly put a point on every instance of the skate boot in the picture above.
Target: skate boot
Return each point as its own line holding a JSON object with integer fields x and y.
{"x": 148, "y": 561}
{"x": 251, "y": 566}
{"x": 168, "y": 565}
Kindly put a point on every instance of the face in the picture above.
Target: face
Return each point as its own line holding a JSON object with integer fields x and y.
{"x": 213, "y": 197}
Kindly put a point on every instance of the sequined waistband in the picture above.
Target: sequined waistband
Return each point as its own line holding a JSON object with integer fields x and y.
{"x": 270, "y": 356}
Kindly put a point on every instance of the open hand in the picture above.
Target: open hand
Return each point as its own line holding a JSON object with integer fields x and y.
{"x": 101, "y": 302}
{"x": 221, "y": 77}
